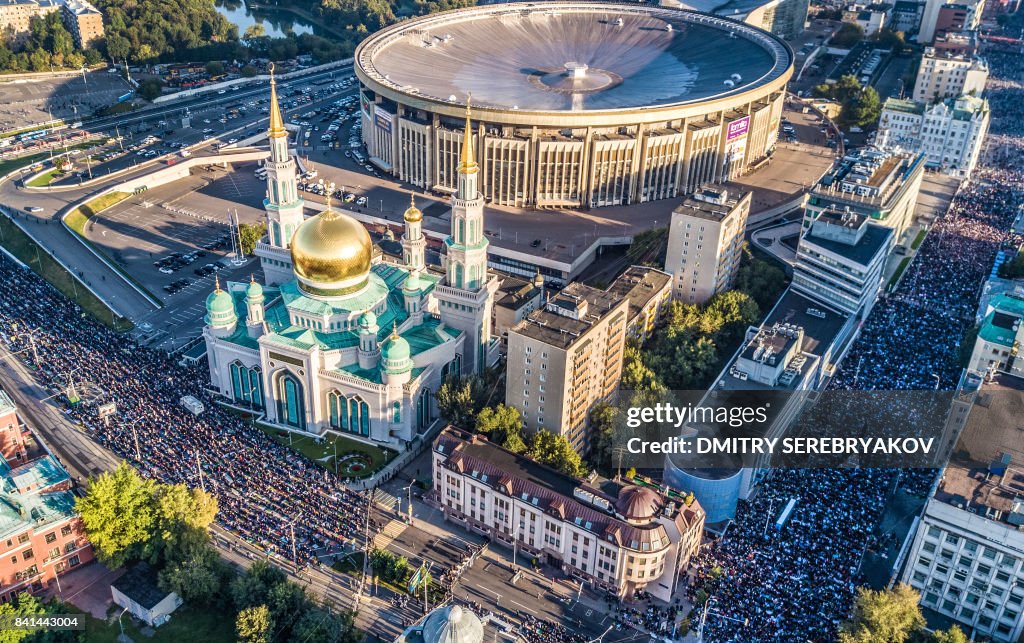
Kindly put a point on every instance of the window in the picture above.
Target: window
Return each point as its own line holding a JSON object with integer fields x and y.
{"x": 65, "y": 530}
{"x": 27, "y": 554}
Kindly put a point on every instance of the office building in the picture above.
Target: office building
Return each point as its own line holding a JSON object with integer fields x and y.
{"x": 565, "y": 358}
{"x": 872, "y": 18}
{"x": 705, "y": 243}
{"x": 839, "y": 262}
{"x": 906, "y": 16}
{"x": 949, "y": 133}
{"x": 623, "y": 536}
{"x": 941, "y": 16}
{"x": 956, "y": 44}
{"x": 881, "y": 185}
{"x": 648, "y": 291}
{"x": 967, "y": 556}
{"x": 945, "y": 75}
{"x": 1000, "y": 336}
{"x": 84, "y": 21}
{"x": 16, "y": 16}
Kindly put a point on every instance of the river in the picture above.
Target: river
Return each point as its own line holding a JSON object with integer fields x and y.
{"x": 276, "y": 23}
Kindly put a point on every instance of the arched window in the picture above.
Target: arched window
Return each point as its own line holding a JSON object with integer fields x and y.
{"x": 256, "y": 386}
{"x": 462, "y": 232}
{"x": 423, "y": 410}
{"x": 291, "y": 405}
{"x": 458, "y": 275}
{"x": 334, "y": 408}
{"x": 236, "y": 380}
{"x": 396, "y": 412}
{"x": 473, "y": 276}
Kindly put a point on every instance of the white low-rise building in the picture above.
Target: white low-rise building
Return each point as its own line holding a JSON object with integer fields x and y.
{"x": 623, "y": 535}
{"x": 944, "y": 74}
{"x": 950, "y": 133}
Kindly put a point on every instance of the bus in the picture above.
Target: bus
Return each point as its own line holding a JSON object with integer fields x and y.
{"x": 786, "y": 514}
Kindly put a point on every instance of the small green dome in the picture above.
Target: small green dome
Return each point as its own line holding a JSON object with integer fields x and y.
{"x": 254, "y": 291}
{"x": 395, "y": 349}
{"x": 413, "y": 281}
{"x": 220, "y": 307}
{"x": 368, "y": 320}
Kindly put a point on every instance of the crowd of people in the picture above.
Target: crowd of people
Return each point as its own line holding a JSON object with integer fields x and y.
{"x": 759, "y": 583}
{"x": 265, "y": 492}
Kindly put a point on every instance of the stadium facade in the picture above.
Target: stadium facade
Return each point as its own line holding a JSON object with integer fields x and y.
{"x": 579, "y": 104}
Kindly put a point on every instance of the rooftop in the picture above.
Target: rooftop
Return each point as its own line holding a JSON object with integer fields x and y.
{"x": 140, "y": 585}
{"x": 875, "y": 238}
{"x": 986, "y": 472}
{"x": 568, "y": 316}
{"x": 706, "y": 206}
{"x": 640, "y": 285}
{"x": 515, "y": 292}
{"x": 1004, "y": 315}
{"x": 6, "y": 404}
{"x": 539, "y": 56}
{"x": 905, "y": 106}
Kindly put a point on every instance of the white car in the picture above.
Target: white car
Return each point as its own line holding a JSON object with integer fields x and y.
{"x": 361, "y": 200}
{"x": 33, "y": 209}
{"x": 232, "y": 140}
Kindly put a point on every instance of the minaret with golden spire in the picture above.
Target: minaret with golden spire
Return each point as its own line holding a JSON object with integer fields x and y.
{"x": 414, "y": 244}
{"x": 282, "y": 203}
{"x": 466, "y": 262}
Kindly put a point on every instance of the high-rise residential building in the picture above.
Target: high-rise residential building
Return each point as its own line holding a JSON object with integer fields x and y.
{"x": 881, "y": 185}
{"x": 623, "y": 536}
{"x": 564, "y": 359}
{"x": 839, "y": 262}
{"x": 84, "y": 21}
{"x": 950, "y": 133}
{"x": 943, "y": 75}
{"x": 967, "y": 556}
{"x": 956, "y": 44}
{"x": 705, "y": 243}
{"x": 16, "y": 16}
{"x": 648, "y": 291}
{"x": 943, "y": 16}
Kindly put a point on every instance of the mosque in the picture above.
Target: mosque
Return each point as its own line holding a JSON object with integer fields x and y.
{"x": 334, "y": 341}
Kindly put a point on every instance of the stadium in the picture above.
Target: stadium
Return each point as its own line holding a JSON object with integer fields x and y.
{"x": 575, "y": 104}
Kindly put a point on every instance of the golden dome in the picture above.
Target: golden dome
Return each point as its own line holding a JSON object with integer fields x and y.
{"x": 331, "y": 254}
{"x": 413, "y": 214}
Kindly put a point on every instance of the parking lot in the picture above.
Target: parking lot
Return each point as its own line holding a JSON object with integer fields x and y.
{"x": 24, "y": 102}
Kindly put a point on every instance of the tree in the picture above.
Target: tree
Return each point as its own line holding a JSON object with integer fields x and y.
{"x": 888, "y": 616}
{"x": 762, "y": 280}
{"x": 250, "y": 234}
{"x": 254, "y": 625}
{"x": 603, "y": 421}
{"x": 25, "y": 605}
{"x": 636, "y": 376}
{"x": 249, "y": 71}
{"x": 864, "y": 109}
{"x": 150, "y": 88}
{"x": 848, "y": 35}
{"x": 215, "y": 68}
{"x": 459, "y": 399}
{"x": 253, "y": 587}
{"x": 254, "y": 31}
{"x": 183, "y": 517}
{"x": 953, "y": 635}
{"x": 514, "y": 441}
{"x": 498, "y": 422}
{"x": 198, "y": 578}
{"x": 889, "y": 39}
{"x": 556, "y": 452}
{"x": 118, "y": 516}
{"x": 1013, "y": 269}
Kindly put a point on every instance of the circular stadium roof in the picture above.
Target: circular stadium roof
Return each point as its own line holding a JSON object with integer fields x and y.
{"x": 572, "y": 57}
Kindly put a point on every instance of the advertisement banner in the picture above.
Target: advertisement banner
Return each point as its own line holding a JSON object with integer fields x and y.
{"x": 382, "y": 119}
{"x": 737, "y": 128}
{"x": 364, "y": 102}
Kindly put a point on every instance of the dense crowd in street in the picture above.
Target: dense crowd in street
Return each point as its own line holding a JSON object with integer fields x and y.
{"x": 265, "y": 491}
{"x": 798, "y": 583}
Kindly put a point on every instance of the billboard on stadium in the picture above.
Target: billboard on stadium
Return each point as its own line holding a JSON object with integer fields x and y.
{"x": 737, "y": 128}
{"x": 382, "y": 119}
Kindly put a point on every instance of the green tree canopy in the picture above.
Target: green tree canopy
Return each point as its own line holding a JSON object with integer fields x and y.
{"x": 848, "y": 35}
{"x": 250, "y": 234}
{"x": 150, "y": 88}
{"x": 498, "y": 422}
{"x": 252, "y": 588}
{"x": 254, "y": 625}
{"x": 888, "y": 616}
{"x": 556, "y": 452}
{"x": 118, "y": 515}
{"x": 460, "y": 398}
{"x": 25, "y": 605}
{"x": 604, "y": 420}
{"x": 953, "y": 635}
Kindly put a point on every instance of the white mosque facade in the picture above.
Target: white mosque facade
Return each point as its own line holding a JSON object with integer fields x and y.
{"x": 335, "y": 342}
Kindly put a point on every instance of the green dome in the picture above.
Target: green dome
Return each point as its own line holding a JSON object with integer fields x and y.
{"x": 219, "y": 302}
{"x": 254, "y": 290}
{"x": 368, "y": 320}
{"x": 413, "y": 282}
{"x": 220, "y": 307}
{"x": 395, "y": 349}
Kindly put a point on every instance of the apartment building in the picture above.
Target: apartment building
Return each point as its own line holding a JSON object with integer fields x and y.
{"x": 705, "y": 243}
{"x": 648, "y": 291}
{"x": 944, "y": 74}
{"x": 839, "y": 262}
{"x": 16, "y": 16}
{"x": 565, "y": 358}
{"x": 949, "y": 133}
{"x": 84, "y": 21}
{"x": 623, "y": 535}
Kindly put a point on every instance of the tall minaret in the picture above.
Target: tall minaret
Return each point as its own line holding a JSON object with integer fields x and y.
{"x": 414, "y": 244}
{"x": 470, "y": 290}
{"x": 282, "y": 203}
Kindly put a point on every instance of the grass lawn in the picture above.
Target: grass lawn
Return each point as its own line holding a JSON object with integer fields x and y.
{"x": 187, "y": 624}
{"x": 44, "y": 179}
{"x": 323, "y": 454}
{"x": 14, "y": 164}
{"x": 28, "y": 251}
{"x": 899, "y": 272}
{"x": 919, "y": 239}
{"x": 78, "y": 217}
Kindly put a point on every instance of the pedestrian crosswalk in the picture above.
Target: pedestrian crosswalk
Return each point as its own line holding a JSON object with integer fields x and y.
{"x": 384, "y": 499}
{"x": 388, "y": 534}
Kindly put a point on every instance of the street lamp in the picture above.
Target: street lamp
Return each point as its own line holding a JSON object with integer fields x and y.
{"x": 515, "y": 543}
{"x": 409, "y": 489}
{"x": 707, "y": 611}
